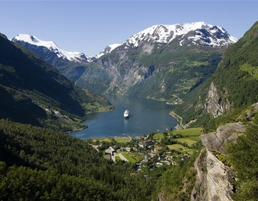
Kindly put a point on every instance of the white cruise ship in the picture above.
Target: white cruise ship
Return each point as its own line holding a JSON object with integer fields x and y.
{"x": 126, "y": 113}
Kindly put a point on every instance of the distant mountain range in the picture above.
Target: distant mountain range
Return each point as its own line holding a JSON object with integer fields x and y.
{"x": 162, "y": 62}
{"x": 50, "y": 49}
{"x": 197, "y": 33}
{"x": 39, "y": 45}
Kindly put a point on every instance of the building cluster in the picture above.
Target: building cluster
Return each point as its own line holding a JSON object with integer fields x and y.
{"x": 149, "y": 153}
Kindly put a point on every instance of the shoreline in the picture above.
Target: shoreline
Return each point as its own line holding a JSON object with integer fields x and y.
{"x": 111, "y": 137}
{"x": 179, "y": 119}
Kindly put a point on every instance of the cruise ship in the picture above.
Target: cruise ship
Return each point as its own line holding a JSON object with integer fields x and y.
{"x": 126, "y": 113}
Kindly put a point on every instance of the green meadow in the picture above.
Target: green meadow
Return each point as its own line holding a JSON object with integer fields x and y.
{"x": 176, "y": 147}
{"x": 132, "y": 156}
{"x": 190, "y": 135}
{"x": 181, "y": 148}
{"x": 122, "y": 139}
{"x": 117, "y": 139}
{"x": 158, "y": 136}
{"x": 188, "y": 141}
{"x": 189, "y": 132}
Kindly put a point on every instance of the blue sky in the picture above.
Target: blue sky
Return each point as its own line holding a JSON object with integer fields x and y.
{"x": 89, "y": 26}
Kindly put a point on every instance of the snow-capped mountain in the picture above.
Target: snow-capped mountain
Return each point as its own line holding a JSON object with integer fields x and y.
{"x": 29, "y": 40}
{"x": 196, "y": 33}
{"x": 158, "y": 62}
{"x": 152, "y": 63}
{"x": 107, "y": 50}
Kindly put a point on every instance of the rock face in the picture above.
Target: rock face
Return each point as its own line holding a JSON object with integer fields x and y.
{"x": 216, "y": 141}
{"x": 215, "y": 104}
{"x": 212, "y": 180}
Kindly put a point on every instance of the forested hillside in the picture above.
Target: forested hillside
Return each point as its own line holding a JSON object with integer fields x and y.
{"x": 42, "y": 164}
{"x": 36, "y": 93}
{"x": 243, "y": 157}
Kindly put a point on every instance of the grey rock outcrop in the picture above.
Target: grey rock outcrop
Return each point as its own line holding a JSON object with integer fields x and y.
{"x": 212, "y": 180}
{"x": 215, "y": 104}
{"x": 216, "y": 141}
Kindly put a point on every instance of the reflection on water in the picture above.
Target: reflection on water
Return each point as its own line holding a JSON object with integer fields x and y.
{"x": 146, "y": 116}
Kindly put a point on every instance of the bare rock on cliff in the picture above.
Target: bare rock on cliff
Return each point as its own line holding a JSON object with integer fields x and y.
{"x": 215, "y": 103}
{"x": 212, "y": 179}
{"x": 216, "y": 141}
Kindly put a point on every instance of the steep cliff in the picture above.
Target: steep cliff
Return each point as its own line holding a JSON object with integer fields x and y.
{"x": 215, "y": 104}
{"x": 212, "y": 180}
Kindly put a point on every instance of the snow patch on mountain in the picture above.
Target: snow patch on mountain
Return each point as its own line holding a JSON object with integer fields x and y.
{"x": 107, "y": 50}
{"x": 201, "y": 32}
{"x": 71, "y": 56}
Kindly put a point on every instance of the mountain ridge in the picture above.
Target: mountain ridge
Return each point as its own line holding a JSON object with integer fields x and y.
{"x": 167, "y": 33}
{"x": 161, "y": 33}
{"x": 33, "y": 40}
{"x": 144, "y": 62}
{"x": 35, "y": 89}
{"x": 155, "y": 65}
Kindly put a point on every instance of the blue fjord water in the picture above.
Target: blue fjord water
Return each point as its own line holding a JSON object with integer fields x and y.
{"x": 146, "y": 116}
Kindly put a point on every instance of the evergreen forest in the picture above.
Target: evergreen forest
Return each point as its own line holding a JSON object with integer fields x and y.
{"x": 43, "y": 164}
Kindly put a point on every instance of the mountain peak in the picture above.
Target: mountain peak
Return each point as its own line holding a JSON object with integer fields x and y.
{"x": 107, "y": 50}
{"x": 197, "y": 33}
{"x": 51, "y": 46}
{"x": 34, "y": 40}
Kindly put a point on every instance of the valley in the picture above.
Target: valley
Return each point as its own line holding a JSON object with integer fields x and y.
{"x": 209, "y": 79}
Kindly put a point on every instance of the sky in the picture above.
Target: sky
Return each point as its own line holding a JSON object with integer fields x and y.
{"x": 89, "y": 26}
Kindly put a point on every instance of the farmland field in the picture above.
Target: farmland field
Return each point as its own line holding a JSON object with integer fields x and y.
{"x": 158, "y": 136}
{"x": 189, "y": 132}
{"x": 102, "y": 140}
{"x": 176, "y": 146}
{"x": 188, "y": 141}
{"x": 180, "y": 148}
{"x": 122, "y": 139}
{"x": 132, "y": 157}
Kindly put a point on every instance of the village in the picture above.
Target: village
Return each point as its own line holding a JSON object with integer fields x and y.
{"x": 154, "y": 150}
